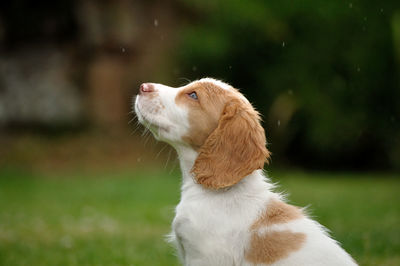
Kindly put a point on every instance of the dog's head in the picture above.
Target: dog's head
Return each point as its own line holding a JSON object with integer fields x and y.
{"x": 212, "y": 118}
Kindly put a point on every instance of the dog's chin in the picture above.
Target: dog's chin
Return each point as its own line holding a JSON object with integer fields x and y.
{"x": 159, "y": 128}
{"x": 143, "y": 118}
{"x": 148, "y": 122}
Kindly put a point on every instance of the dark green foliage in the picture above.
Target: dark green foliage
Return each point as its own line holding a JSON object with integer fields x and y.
{"x": 323, "y": 74}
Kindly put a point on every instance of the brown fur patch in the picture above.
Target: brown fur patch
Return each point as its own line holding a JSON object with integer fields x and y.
{"x": 203, "y": 113}
{"x": 226, "y": 131}
{"x": 277, "y": 212}
{"x": 273, "y": 246}
{"x": 234, "y": 149}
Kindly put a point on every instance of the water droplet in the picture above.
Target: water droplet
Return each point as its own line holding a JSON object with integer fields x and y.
{"x": 155, "y": 23}
{"x": 358, "y": 69}
{"x": 230, "y": 67}
{"x": 350, "y": 5}
{"x": 123, "y": 49}
{"x": 283, "y": 44}
{"x": 381, "y": 10}
{"x": 279, "y": 123}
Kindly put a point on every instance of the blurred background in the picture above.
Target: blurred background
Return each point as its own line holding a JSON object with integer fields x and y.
{"x": 80, "y": 183}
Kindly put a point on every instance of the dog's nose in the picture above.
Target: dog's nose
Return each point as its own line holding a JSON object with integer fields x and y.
{"x": 146, "y": 87}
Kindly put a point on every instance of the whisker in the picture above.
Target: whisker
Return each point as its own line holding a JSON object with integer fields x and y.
{"x": 146, "y": 129}
{"x": 147, "y": 139}
{"x": 174, "y": 165}
{"x": 137, "y": 128}
{"x": 134, "y": 131}
{"x": 130, "y": 121}
{"x": 169, "y": 155}
{"x": 186, "y": 79}
{"x": 163, "y": 148}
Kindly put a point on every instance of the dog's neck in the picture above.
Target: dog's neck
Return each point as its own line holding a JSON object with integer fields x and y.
{"x": 187, "y": 157}
{"x": 253, "y": 183}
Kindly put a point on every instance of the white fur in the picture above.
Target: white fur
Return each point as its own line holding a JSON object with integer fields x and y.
{"x": 211, "y": 227}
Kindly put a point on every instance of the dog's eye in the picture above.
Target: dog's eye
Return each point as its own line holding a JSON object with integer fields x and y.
{"x": 193, "y": 95}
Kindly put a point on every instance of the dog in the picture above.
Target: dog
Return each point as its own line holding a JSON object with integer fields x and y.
{"x": 228, "y": 213}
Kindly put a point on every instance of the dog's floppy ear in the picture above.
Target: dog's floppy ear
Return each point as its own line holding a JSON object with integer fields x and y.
{"x": 233, "y": 150}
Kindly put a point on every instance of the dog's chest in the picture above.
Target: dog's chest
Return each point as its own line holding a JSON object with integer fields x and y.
{"x": 204, "y": 228}
{"x": 194, "y": 222}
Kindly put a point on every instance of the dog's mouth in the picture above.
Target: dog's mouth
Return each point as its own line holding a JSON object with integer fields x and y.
{"x": 148, "y": 120}
{"x": 143, "y": 118}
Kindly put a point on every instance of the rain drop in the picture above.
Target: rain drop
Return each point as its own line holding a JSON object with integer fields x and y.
{"x": 283, "y": 44}
{"x": 155, "y": 23}
{"x": 279, "y": 123}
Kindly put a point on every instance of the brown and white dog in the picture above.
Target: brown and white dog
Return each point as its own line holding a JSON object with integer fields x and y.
{"x": 228, "y": 213}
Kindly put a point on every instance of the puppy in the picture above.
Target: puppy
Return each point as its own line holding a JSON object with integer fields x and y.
{"x": 228, "y": 213}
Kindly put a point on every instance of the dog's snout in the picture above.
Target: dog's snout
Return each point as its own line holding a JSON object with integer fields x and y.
{"x": 146, "y": 87}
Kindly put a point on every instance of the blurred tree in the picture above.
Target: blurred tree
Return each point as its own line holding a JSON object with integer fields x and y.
{"x": 323, "y": 73}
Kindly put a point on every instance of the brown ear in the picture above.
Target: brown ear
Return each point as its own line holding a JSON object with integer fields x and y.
{"x": 233, "y": 150}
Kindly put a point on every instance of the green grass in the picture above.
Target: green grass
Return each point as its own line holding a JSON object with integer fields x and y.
{"x": 121, "y": 218}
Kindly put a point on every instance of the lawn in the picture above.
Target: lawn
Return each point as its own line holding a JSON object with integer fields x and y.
{"x": 120, "y": 218}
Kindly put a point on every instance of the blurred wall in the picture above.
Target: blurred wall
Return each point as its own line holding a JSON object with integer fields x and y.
{"x": 72, "y": 62}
